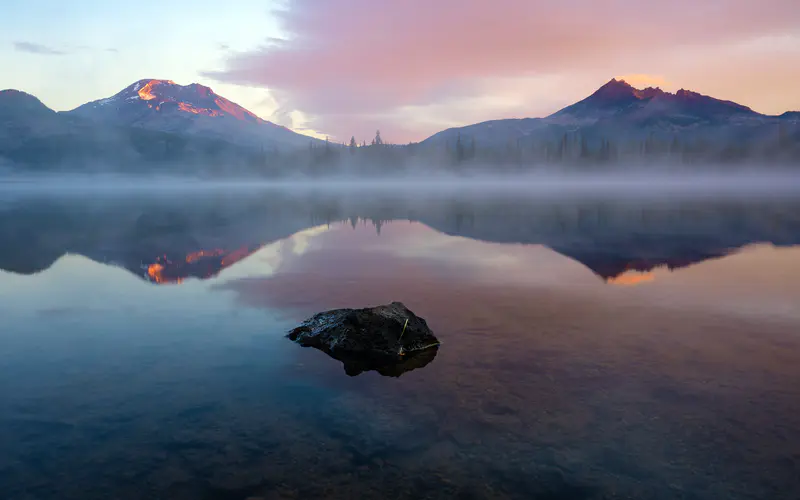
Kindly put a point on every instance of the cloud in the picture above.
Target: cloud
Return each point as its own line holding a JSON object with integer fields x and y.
{"x": 36, "y": 48}
{"x": 355, "y": 61}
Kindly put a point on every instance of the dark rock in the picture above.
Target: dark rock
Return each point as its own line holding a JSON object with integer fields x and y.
{"x": 372, "y": 338}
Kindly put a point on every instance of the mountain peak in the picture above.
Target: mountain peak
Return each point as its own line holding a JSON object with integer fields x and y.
{"x": 17, "y": 101}
{"x": 618, "y": 96}
{"x": 617, "y": 82}
{"x": 614, "y": 88}
{"x": 17, "y": 94}
{"x": 648, "y": 93}
{"x": 150, "y": 89}
{"x": 620, "y": 89}
{"x": 608, "y": 99}
{"x": 168, "y": 97}
{"x": 163, "y": 105}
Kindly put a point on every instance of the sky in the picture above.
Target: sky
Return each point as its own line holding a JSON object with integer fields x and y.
{"x": 410, "y": 68}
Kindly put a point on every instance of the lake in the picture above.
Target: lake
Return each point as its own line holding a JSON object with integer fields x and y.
{"x": 609, "y": 345}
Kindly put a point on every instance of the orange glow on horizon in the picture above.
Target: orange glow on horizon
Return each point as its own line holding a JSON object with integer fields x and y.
{"x": 203, "y": 253}
{"x": 643, "y": 81}
{"x": 165, "y": 271}
{"x": 631, "y": 278}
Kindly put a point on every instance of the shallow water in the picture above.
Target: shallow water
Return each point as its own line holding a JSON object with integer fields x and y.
{"x": 634, "y": 347}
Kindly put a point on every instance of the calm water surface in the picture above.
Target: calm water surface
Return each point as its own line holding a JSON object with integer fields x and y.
{"x": 598, "y": 348}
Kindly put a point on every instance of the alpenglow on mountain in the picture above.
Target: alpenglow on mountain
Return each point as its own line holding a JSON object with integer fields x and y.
{"x": 619, "y": 112}
{"x": 618, "y": 99}
{"x": 194, "y": 109}
{"x": 160, "y": 126}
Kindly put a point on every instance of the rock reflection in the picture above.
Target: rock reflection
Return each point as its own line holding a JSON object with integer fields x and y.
{"x": 355, "y": 365}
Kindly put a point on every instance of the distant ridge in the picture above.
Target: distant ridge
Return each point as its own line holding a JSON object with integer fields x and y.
{"x": 18, "y": 103}
{"x": 156, "y": 123}
{"x": 619, "y": 97}
{"x": 621, "y": 114}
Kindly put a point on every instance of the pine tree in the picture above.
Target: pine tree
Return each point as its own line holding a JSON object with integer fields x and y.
{"x": 459, "y": 149}
{"x": 648, "y": 145}
{"x": 562, "y": 148}
{"x": 352, "y": 145}
{"x": 584, "y": 148}
{"x": 783, "y": 137}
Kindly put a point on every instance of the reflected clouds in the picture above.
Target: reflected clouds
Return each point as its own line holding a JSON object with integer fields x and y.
{"x": 348, "y": 267}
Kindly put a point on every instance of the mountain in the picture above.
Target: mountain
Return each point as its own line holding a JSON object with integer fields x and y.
{"x": 150, "y": 126}
{"x": 22, "y": 114}
{"x": 16, "y": 105}
{"x": 194, "y": 109}
{"x": 160, "y": 126}
{"x": 32, "y": 134}
{"x": 613, "y": 97}
{"x": 617, "y": 99}
{"x": 621, "y": 114}
{"x": 34, "y": 138}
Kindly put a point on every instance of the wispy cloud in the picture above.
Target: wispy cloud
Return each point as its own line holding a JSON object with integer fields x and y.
{"x": 37, "y": 48}
{"x": 353, "y": 62}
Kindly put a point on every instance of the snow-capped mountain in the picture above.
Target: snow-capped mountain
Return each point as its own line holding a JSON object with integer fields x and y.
{"x": 151, "y": 124}
{"x": 189, "y": 109}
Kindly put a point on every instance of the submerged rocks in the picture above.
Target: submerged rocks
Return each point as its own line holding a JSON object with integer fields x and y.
{"x": 389, "y": 339}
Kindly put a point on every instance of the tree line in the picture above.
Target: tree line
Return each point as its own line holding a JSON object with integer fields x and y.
{"x": 566, "y": 150}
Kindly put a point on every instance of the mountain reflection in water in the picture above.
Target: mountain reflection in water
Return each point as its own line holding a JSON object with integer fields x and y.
{"x": 555, "y": 380}
{"x": 619, "y": 240}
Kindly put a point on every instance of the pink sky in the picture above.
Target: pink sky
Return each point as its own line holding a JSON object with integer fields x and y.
{"x": 414, "y": 67}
